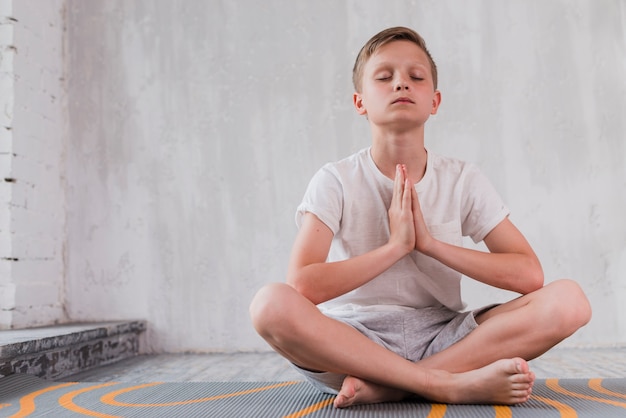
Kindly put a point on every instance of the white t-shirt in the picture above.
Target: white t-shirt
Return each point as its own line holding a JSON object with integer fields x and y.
{"x": 352, "y": 197}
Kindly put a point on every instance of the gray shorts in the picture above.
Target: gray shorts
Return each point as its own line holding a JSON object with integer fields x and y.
{"x": 413, "y": 334}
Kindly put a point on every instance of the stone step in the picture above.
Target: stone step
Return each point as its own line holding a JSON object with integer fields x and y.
{"x": 57, "y": 351}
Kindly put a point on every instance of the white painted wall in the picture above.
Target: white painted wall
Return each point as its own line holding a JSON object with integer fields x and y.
{"x": 32, "y": 188}
{"x": 194, "y": 128}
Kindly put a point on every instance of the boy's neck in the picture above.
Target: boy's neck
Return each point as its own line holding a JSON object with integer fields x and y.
{"x": 389, "y": 149}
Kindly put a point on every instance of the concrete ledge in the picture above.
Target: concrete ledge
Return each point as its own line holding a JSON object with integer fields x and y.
{"x": 62, "y": 350}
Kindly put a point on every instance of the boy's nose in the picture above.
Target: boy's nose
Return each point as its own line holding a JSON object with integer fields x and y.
{"x": 401, "y": 85}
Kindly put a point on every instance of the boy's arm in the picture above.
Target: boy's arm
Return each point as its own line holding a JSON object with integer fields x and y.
{"x": 319, "y": 281}
{"x": 511, "y": 263}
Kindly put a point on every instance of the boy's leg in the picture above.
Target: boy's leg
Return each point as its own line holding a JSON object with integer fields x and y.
{"x": 295, "y": 328}
{"x": 525, "y": 327}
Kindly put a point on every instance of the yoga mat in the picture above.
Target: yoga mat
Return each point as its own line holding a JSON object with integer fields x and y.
{"x": 24, "y": 395}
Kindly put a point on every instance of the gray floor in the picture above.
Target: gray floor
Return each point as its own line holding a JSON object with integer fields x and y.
{"x": 560, "y": 363}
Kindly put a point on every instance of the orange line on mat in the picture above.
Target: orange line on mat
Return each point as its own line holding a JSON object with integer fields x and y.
{"x": 67, "y": 401}
{"x": 565, "y": 411}
{"x": 310, "y": 409}
{"x": 596, "y": 384}
{"x": 27, "y": 402}
{"x": 109, "y": 398}
{"x": 554, "y": 385}
{"x": 438, "y": 410}
{"x": 503, "y": 411}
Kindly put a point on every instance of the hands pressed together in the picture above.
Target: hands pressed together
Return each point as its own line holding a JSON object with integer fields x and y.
{"x": 406, "y": 222}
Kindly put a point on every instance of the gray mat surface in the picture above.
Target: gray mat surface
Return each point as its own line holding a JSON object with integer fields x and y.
{"x": 24, "y": 395}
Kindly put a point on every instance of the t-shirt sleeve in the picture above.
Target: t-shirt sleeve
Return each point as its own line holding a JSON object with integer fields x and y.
{"x": 483, "y": 208}
{"x": 323, "y": 198}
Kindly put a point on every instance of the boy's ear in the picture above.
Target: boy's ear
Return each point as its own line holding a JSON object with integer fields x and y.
{"x": 358, "y": 103}
{"x": 436, "y": 102}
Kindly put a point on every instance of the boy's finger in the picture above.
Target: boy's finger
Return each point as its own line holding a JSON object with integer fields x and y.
{"x": 407, "y": 195}
{"x": 415, "y": 200}
{"x": 397, "y": 186}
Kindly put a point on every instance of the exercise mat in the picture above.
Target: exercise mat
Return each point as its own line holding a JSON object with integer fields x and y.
{"x": 24, "y": 395}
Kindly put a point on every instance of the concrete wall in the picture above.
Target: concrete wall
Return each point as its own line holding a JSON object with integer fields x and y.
{"x": 194, "y": 127}
{"x": 32, "y": 188}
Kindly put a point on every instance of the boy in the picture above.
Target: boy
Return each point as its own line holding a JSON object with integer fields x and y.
{"x": 371, "y": 308}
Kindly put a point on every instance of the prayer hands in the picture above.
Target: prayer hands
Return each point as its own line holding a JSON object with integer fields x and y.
{"x": 406, "y": 222}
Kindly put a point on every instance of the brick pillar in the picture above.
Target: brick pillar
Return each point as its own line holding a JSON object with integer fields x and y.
{"x": 7, "y": 90}
{"x": 32, "y": 187}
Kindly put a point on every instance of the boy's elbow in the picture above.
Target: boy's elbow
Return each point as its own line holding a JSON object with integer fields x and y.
{"x": 302, "y": 286}
{"x": 534, "y": 279}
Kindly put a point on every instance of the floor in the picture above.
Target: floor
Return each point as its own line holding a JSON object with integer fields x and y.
{"x": 560, "y": 362}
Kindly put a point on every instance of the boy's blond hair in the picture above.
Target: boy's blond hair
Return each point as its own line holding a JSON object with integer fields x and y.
{"x": 398, "y": 33}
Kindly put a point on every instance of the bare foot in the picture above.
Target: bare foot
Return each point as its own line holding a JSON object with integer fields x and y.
{"x": 355, "y": 391}
{"x": 506, "y": 382}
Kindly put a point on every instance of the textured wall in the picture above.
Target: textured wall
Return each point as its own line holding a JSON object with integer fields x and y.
{"x": 32, "y": 189}
{"x": 194, "y": 128}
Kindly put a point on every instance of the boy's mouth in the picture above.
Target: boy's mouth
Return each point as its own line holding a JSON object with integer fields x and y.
{"x": 402, "y": 100}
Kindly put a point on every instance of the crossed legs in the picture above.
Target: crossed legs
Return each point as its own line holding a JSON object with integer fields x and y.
{"x": 470, "y": 371}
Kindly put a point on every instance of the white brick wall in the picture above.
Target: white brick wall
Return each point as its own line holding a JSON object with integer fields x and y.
{"x": 7, "y": 89}
{"x": 32, "y": 195}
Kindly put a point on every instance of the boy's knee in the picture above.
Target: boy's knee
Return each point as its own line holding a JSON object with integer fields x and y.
{"x": 583, "y": 307}
{"x": 268, "y": 306}
{"x": 574, "y": 304}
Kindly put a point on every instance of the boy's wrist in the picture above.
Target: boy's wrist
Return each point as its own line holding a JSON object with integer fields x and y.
{"x": 428, "y": 248}
{"x": 397, "y": 250}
